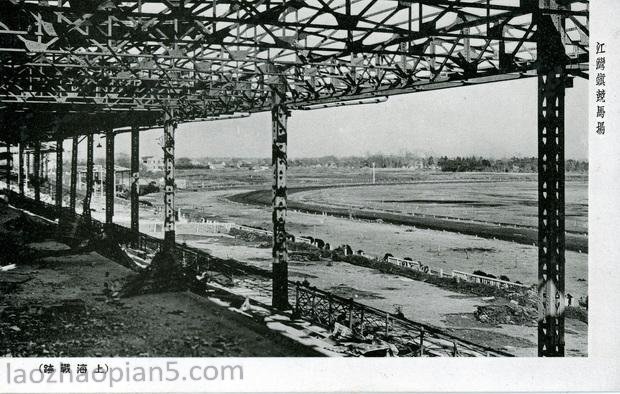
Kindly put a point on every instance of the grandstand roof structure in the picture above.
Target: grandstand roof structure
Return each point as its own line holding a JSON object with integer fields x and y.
{"x": 72, "y": 66}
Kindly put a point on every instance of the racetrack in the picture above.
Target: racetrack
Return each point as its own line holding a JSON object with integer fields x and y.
{"x": 522, "y": 234}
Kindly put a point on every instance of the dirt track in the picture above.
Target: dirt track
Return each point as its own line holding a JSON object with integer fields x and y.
{"x": 524, "y": 236}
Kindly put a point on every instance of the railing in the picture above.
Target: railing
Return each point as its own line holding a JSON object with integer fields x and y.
{"x": 487, "y": 281}
{"x": 197, "y": 228}
{"x": 417, "y": 265}
{"x": 473, "y": 278}
{"x": 363, "y": 321}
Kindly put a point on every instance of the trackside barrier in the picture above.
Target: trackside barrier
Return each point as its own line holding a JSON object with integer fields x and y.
{"x": 416, "y": 265}
{"x": 363, "y": 321}
{"x": 304, "y": 240}
{"x": 487, "y": 281}
{"x": 406, "y": 263}
{"x": 199, "y": 228}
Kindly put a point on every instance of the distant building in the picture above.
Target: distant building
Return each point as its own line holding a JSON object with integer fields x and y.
{"x": 153, "y": 163}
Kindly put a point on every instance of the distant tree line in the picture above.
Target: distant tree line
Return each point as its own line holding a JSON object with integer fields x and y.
{"x": 405, "y": 160}
{"x": 380, "y": 161}
{"x": 446, "y": 164}
{"x": 513, "y": 164}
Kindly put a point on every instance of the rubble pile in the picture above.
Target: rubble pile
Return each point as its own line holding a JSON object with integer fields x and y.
{"x": 510, "y": 313}
{"x": 162, "y": 275}
{"x": 250, "y": 236}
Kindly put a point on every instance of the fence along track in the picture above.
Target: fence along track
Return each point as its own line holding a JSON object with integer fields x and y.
{"x": 315, "y": 305}
{"x": 420, "y": 339}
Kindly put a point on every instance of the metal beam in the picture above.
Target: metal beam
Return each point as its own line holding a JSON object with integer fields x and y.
{"x": 128, "y": 65}
{"x": 36, "y": 173}
{"x": 279, "y": 115}
{"x": 20, "y": 171}
{"x": 169, "y": 128}
{"x": 74, "y": 159}
{"x": 551, "y": 239}
{"x": 109, "y": 177}
{"x": 135, "y": 183}
{"x": 58, "y": 194}
{"x": 89, "y": 176}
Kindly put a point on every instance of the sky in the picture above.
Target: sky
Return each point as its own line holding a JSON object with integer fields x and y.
{"x": 493, "y": 120}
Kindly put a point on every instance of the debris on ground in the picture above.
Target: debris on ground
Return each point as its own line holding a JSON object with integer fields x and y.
{"x": 10, "y": 282}
{"x": 162, "y": 275}
{"x": 29, "y": 229}
{"x": 510, "y": 313}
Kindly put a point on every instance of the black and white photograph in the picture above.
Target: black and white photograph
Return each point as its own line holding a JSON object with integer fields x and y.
{"x": 315, "y": 179}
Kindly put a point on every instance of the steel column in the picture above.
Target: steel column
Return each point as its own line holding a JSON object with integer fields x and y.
{"x": 45, "y": 168}
{"x": 89, "y": 177}
{"x": 135, "y": 183}
{"x": 58, "y": 197}
{"x": 279, "y": 115}
{"x": 9, "y": 162}
{"x": 551, "y": 240}
{"x": 20, "y": 171}
{"x": 74, "y": 159}
{"x": 169, "y": 127}
{"x": 27, "y": 178}
{"x": 36, "y": 173}
{"x": 109, "y": 177}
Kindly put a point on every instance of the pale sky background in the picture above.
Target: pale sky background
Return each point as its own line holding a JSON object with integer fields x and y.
{"x": 492, "y": 120}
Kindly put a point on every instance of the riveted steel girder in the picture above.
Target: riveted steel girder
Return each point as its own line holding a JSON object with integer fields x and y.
{"x": 169, "y": 213}
{"x": 551, "y": 237}
{"x": 135, "y": 181}
{"x": 279, "y": 115}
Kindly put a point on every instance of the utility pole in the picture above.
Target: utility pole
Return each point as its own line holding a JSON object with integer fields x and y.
{"x": 374, "y": 179}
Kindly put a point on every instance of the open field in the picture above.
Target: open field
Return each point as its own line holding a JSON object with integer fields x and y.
{"x": 511, "y": 202}
{"x": 442, "y": 243}
{"x": 503, "y": 227}
{"x": 439, "y": 249}
{"x": 322, "y": 176}
{"x": 434, "y": 247}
